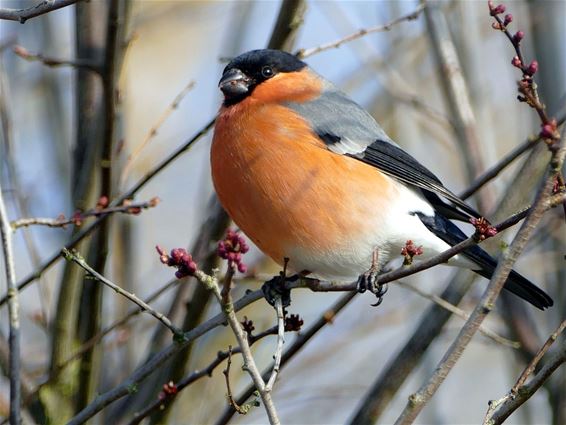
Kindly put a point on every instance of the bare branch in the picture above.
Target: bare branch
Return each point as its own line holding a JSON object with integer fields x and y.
{"x": 13, "y": 308}
{"x": 305, "y": 53}
{"x": 225, "y": 300}
{"x": 98, "y": 337}
{"x": 119, "y": 200}
{"x": 507, "y": 160}
{"x": 460, "y": 313}
{"x": 501, "y": 409}
{"x": 130, "y": 385}
{"x": 534, "y": 362}
{"x": 289, "y": 20}
{"x": 77, "y": 259}
{"x": 155, "y": 128}
{"x": 457, "y": 96}
{"x": 22, "y": 15}
{"x": 196, "y": 375}
{"x": 226, "y": 373}
{"x": 78, "y": 217}
{"x": 55, "y": 62}
{"x": 327, "y": 317}
{"x": 280, "y": 342}
{"x": 418, "y": 400}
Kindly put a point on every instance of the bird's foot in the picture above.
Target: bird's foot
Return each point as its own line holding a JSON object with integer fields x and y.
{"x": 275, "y": 288}
{"x": 368, "y": 281}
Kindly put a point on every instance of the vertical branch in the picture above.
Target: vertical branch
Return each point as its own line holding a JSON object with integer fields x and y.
{"x": 302, "y": 339}
{"x": 457, "y": 96}
{"x": 13, "y": 307}
{"x": 289, "y": 20}
{"x": 90, "y": 28}
{"x": 547, "y": 26}
{"x": 91, "y": 297}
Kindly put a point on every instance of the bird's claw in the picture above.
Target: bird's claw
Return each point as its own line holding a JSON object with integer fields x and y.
{"x": 275, "y": 288}
{"x": 368, "y": 281}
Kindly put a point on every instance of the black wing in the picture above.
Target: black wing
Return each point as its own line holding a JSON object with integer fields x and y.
{"x": 348, "y": 129}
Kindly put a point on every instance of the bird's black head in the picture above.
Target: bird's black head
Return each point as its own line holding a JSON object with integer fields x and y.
{"x": 247, "y": 71}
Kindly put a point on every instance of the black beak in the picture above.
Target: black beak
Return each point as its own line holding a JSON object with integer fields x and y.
{"x": 234, "y": 83}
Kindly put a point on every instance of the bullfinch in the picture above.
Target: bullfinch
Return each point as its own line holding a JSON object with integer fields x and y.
{"x": 311, "y": 178}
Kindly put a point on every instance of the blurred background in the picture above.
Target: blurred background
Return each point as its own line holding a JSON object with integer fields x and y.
{"x": 56, "y": 138}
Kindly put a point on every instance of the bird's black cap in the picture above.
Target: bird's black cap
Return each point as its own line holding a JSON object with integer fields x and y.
{"x": 246, "y": 71}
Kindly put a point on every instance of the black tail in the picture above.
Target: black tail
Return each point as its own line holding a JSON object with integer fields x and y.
{"x": 517, "y": 284}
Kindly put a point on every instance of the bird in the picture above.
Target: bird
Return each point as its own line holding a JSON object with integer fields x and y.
{"x": 317, "y": 185}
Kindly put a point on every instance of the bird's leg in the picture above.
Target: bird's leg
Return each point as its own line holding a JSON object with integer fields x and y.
{"x": 369, "y": 280}
{"x": 275, "y": 287}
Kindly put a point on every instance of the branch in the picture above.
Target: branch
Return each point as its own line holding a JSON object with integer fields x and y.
{"x": 226, "y": 373}
{"x": 119, "y": 200}
{"x": 458, "y": 312}
{"x": 507, "y": 160}
{"x": 77, "y": 259}
{"x": 418, "y": 400}
{"x": 196, "y": 375}
{"x": 96, "y": 338}
{"x": 78, "y": 217}
{"x": 225, "y": 300}
{"x": 13, "y": 307}
{"x": 55, "y": 62}
{"x": 155, "y": 128}
{"x": 326, "y": 318}
{"x": 305, "y": 53}
{"x": 280, "y": 342}
{"x": 457, "y": 96}
{"x": 130, "y": 385}
{"x": 289, "y": 20}
{"x": 501, "y": 409}
{"x": 22, "y": 15}
{"x": 533, "y": 364}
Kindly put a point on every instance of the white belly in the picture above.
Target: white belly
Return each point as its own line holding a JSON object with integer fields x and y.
{"x": 388, "y": 237}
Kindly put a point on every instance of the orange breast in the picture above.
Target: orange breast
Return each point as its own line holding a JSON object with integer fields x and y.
{"x": 284, "y": 189}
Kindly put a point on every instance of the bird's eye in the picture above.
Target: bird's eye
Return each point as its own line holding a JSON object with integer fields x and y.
{"x": 267, "y": 71}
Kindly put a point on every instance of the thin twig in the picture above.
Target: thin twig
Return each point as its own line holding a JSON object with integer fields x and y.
{"x": 77, "y": 259}
{"x": 499, "y": 410}
{"x": 56, "y": 62}
{"x": 305, "y": 53}
{"x": 196, "y": 375}
{"x": 226, "y": 373}
{"x": 13, "y": 311}
{"x": 534, "y": 362}
{"x": 507, "y": 160}
{"x": 326, "y": 318}
{"x": 155, "y": 128}
{"x": 22, "y": 15}
{"x": 78, "y": 217}
{"x": 280, "y": 342}
{"x": 460, "y": 313}
{"x": 225, "y": 300}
